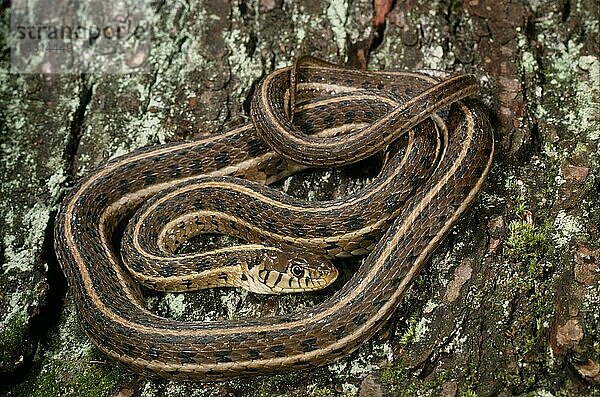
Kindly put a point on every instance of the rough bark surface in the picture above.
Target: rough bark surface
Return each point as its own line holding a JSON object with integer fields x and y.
{"x": 508, "y": 304}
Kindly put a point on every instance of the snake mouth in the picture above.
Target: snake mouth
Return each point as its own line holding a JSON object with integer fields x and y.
{"x": 329, "y": 274}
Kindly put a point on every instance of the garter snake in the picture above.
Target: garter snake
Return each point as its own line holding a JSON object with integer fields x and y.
{"x": 108, "y": 300}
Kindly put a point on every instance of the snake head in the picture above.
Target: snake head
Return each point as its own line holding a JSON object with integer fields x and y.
{"x": 290, "y": 270}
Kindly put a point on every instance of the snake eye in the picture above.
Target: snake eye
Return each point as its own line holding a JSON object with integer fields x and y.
{"x": 297, "y": 271}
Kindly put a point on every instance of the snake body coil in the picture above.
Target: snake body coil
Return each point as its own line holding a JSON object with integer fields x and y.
{"x": 108, "y": 300}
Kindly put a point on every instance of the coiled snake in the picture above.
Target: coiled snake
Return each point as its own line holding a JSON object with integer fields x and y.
{"x": 314, "y": 114}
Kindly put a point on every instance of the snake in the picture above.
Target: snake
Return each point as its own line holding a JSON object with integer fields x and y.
{"x": 311, "y": 114}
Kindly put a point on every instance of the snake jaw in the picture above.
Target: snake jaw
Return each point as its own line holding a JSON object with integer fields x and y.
{"x": 288, "y": 271}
